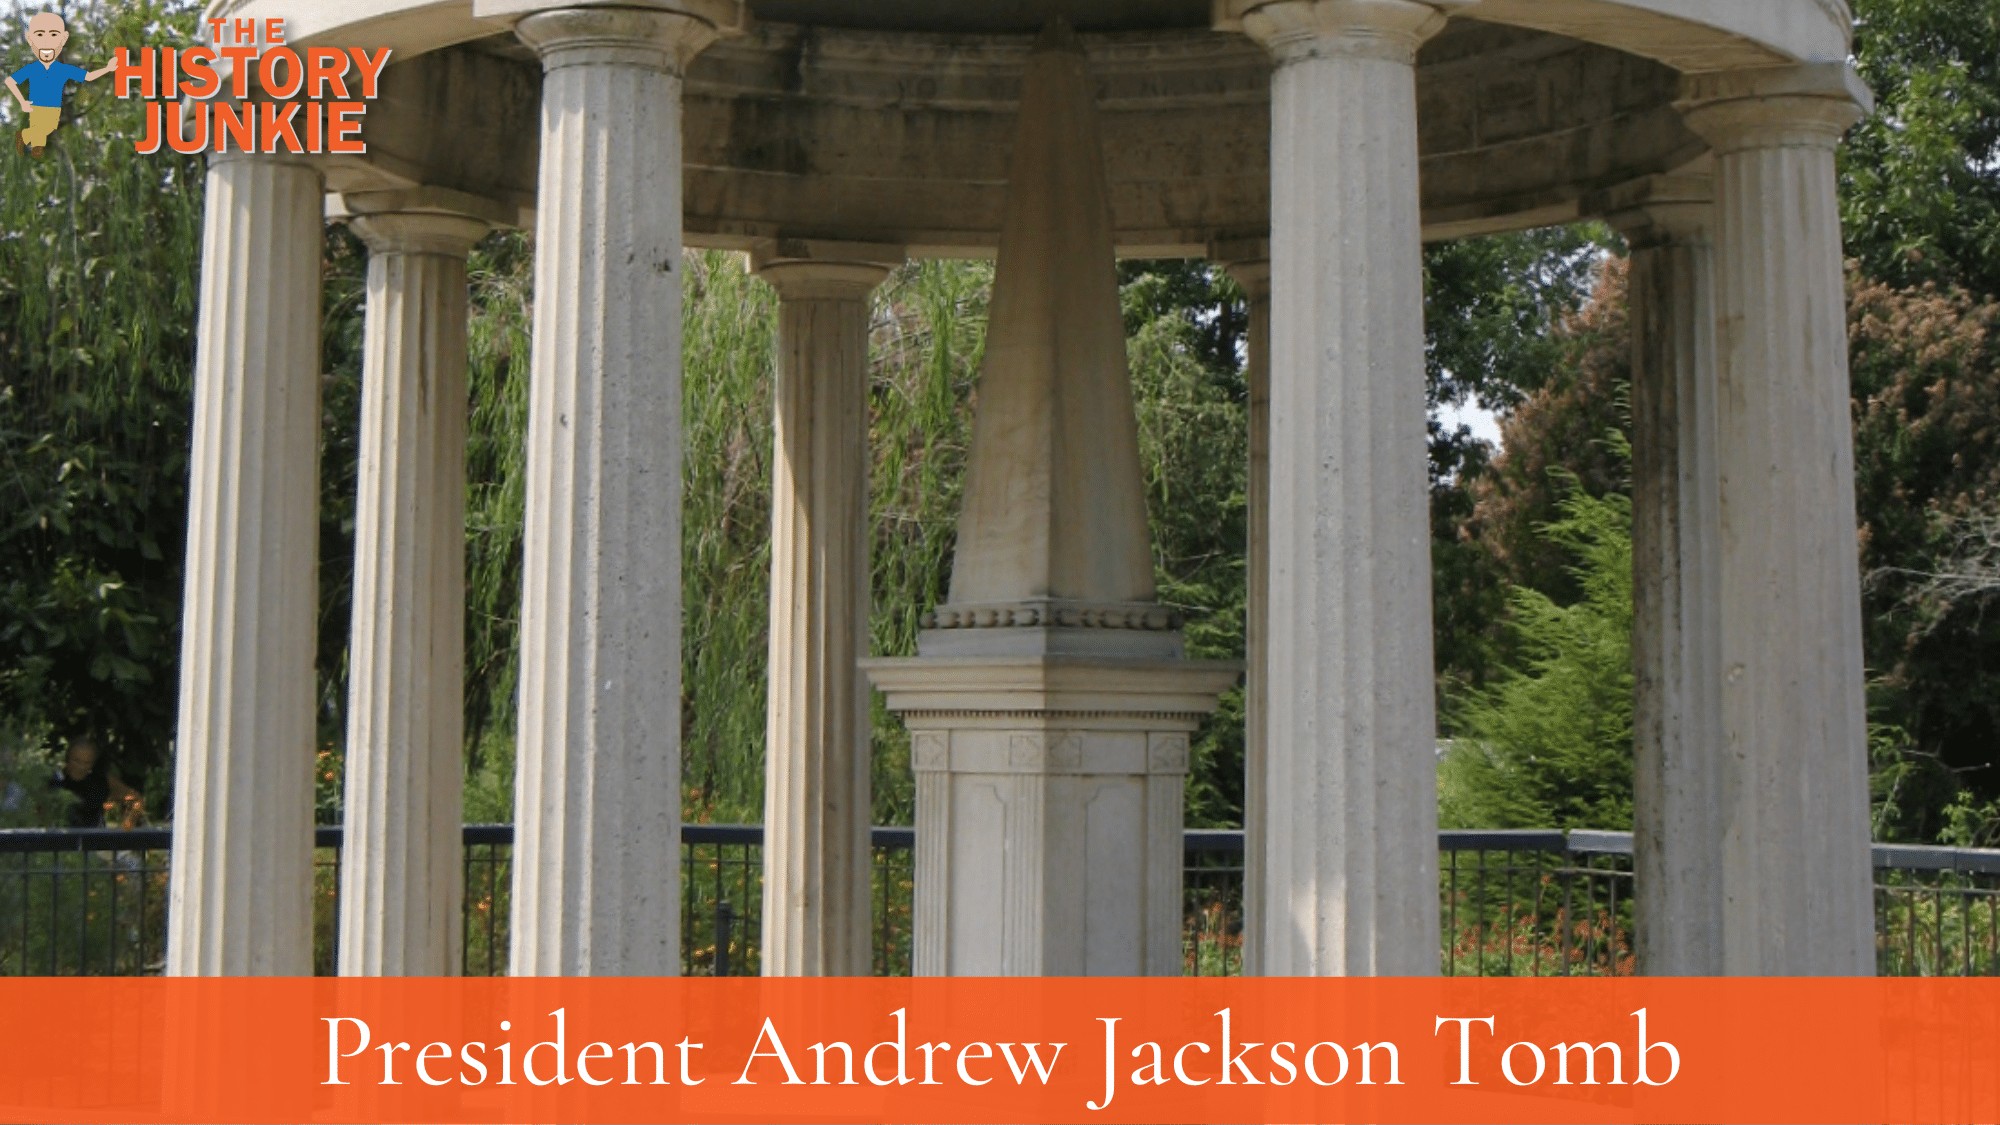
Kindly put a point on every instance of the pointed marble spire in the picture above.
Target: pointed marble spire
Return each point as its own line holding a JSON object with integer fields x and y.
{"x": 1053, "y": 553}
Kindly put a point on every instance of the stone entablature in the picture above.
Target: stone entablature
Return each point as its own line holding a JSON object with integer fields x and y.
{"x": 855, "y": 131}
{"x": 1076, "y": 752}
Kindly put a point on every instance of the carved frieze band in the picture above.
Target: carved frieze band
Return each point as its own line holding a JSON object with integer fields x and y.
{"x": 1151, "y": 618}
{"x": 1126, "y": 753}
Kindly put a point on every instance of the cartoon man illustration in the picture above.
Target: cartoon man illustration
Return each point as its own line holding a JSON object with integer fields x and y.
{"x": 46, "y": 78}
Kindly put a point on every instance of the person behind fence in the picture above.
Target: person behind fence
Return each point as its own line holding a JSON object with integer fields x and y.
{"x": 89, "y": 777}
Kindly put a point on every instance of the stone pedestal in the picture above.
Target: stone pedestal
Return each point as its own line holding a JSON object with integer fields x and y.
{"x": 1794, "y": 779}
{"x": 243, "y": 774}
{"x": 1350, "y": 824}
{"x": 1676, "y": 564}
{"x": 598, "y": 777}
{"x": 402, "y": 857}
{"x": 1049, "y": 810}
{"x": 817, "y": 859}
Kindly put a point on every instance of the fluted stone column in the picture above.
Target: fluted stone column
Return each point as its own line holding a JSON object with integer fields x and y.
{"x": 1676, "y": 564}
{"x": 401, "y": 873}
{"x": 1350, "y": 830}
{"x": 243, "y": 777}
{"x": 1255, "y": 279}
{"x": 1794, "y": 784}
{"x": 817, "y": 785}
{"x": 598, "y": 778}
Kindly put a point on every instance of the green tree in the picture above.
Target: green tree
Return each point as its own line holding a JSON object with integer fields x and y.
{"x": 500, "y": 273}
{"x": 1555, "y": 432}
{"x": 1920, "y": 178}
{"x": 1495, "y": 309}
{"x": 1548, "y": 742}
{"x": 98, "y": 252}
{"x": 1185, "y": 322}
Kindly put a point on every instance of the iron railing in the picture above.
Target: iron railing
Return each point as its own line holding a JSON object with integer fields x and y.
{"x": 1511, "y": 903}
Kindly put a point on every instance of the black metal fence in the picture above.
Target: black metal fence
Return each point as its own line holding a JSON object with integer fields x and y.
{"x": 1512, "y": 903}
{"x": 1935, "y": 911}
{"x": 1536, "y": 903}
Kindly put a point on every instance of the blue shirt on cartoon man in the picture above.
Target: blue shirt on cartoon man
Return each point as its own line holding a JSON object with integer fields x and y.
{"x": 45, "y": 81}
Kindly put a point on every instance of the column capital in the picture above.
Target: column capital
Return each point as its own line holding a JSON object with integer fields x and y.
{"x": 422, "y": 220}
{"x": 419, "y": 232}
{"x": 1302, "y": 29}
{"x": 1809, "y": 105}
{"x": 663, "y": 35}
{"x": 1246, "y": 260}
{"x": 1254, "y": 277}
{"x": 807, "y": 280}
{"x": 807, "y": 269}
{"x": 1659, "y": 210}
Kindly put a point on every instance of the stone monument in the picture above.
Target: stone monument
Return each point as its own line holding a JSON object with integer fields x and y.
{"x": 1049, "y": 705}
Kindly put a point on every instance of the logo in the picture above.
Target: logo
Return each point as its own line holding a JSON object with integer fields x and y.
{"x": 249, "y": 91}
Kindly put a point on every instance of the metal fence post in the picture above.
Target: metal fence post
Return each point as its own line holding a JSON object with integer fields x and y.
{"x": 725, "y": 921}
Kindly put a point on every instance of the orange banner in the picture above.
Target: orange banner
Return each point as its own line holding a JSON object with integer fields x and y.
{"x": 1006, "y": 1052}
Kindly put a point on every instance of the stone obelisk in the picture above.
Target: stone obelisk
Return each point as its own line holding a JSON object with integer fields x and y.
{"x": 1050, "y": 706}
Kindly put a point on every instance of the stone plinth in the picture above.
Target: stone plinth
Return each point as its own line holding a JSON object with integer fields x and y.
{"x": 1049, "y": 798}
